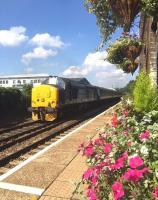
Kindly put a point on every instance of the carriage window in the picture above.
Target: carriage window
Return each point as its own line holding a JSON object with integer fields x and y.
{"x": 82, "y": 93}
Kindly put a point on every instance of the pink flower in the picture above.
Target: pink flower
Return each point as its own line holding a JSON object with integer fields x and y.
{"x": 107, "y": 148}
{"x": 133, "y": 175}
{"x": 92, "y": 174}
{"x": 88, "y": 174}
{"x": 144, "y": 170}
{"x": 118, "y": 190}
{"x": 119, "y": 163}
{"x": 91, "y": 194}
{"x": 89, "y": 151}
{"x": 125, "y": 113}
{"x": 114, "y": 120}
{"x": 135, "y": 162}
{"x": 145, "y": 135}
{"x": 125, "y": 132}
{"x": 99, "y": 141}
{"x": 125, "y": 155}
{"x": 155, "y": 193}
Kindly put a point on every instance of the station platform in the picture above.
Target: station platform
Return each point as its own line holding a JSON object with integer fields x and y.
{"x": 53, "y": 173}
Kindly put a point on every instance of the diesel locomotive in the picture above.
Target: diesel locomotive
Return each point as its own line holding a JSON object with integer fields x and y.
{"x": 57, "y": 95}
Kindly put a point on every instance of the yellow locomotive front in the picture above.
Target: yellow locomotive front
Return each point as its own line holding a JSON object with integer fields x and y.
{"x": 44, "y": 102}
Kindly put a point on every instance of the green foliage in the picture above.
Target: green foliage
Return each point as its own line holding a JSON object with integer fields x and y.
{"x": 145, "y": 94}
{"x": 150, "y": 7}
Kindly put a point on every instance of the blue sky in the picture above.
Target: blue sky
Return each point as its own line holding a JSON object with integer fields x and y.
{"x": 56, "y": 37}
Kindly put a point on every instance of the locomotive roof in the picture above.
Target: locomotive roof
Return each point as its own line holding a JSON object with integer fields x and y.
{"x": 76, "y": 81}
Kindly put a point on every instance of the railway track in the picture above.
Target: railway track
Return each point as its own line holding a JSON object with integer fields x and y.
{"x": 20, "y": 145}
{"x": 24, "y": 124}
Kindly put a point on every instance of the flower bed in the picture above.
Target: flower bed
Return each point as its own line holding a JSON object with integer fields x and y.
{"x": 123, "y": 160}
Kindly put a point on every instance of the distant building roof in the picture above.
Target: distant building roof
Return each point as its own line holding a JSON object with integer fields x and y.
{"x": 24, "y": 76}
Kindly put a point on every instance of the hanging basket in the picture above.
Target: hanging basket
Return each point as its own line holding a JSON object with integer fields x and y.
{"x": 129, "y": 67}
{"x": 133, "y": 51}
{"x": 126, "y": 11}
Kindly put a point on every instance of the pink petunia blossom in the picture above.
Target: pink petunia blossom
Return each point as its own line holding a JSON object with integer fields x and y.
{"x": 91, "y": 194}
{"x": 155, "y": 193}
{"x": 107, "y": 148}
{"x": 125, "y": 113}
{"x": 88, "y": 174}
{"x": 133, "y": 175}
{"x": 118, "y": 190}
{"x": 125, "y": 132}
{"x": 119, "y": 163}
{"x": 115, "y": 120}
{"x": 145, "y": 135}
{"x": 89, "y": 150}
{"x": 99, "y": 141}
{"x": 135, "y": 162}
{"x": 124, "y": 155}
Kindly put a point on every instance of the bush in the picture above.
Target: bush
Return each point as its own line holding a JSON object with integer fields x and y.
{"x": 145, "y": 94}
{"x": 12, "y": 101}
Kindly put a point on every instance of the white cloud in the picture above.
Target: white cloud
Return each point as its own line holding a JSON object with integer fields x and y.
{"x": 38, "y": 53}
{"x": 13, "y": 37}
{"x": 45, "y": 39}
{"x": 29, "y": 70}
{"x": 102, "y": 72}
{"x": 115, "y": 78}
{"x": 75, "y": 72}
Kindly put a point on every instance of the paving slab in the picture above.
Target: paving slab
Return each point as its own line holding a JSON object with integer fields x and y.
{"x": 36, "y": 174}
{"x": 11, "y": 195}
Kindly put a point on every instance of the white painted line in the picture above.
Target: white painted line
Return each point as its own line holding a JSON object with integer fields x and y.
{"x": 21, "y": 188}
{"x": 16, "y": 168}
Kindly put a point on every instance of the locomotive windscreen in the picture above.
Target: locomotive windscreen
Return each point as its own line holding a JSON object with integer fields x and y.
{"x": 53, "y": 80}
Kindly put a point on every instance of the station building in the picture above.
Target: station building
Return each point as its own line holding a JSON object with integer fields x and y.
{"x": 18, "y": 81}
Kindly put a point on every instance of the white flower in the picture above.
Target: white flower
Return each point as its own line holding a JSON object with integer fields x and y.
{"x": 156, "y": 173}
{"x": 144, "y": 150}
{"x": 129, "y": 102}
